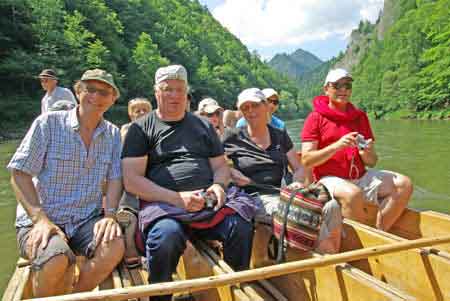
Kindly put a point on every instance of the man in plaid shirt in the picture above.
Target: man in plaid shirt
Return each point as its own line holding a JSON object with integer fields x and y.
{"x": 59, "y": 169}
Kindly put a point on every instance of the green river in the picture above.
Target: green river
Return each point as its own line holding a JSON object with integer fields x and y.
{"x": 419, "y": 149}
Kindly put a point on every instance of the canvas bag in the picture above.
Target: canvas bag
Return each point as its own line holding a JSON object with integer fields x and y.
{"x": 297, "y": 221}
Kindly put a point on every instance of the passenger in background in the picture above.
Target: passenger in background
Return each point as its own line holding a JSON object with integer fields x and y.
{"x": 60, "y": 214}
{"x": 261, "y": 155}
{"x": 137, "y": 107}
{"x": 230, "y": 118}
{"x": 53, "y": 93}
{"x": 273, "y": 102}
{"x": 129, "y": 204}
{"x": 338, "y": 144}
{"x": 210, "y": 109}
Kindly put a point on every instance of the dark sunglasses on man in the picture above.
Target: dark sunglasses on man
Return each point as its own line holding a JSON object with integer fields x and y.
{"x": 338, "y": 86}
{"x": 93, "y": 90}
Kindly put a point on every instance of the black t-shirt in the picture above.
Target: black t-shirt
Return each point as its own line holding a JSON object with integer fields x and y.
{"x": 262, "y": 166}
{"x": 178, "y": 152}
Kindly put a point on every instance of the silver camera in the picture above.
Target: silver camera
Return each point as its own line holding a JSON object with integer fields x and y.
{"x": 210, "y": 199}
{"x": 361, "y": 142}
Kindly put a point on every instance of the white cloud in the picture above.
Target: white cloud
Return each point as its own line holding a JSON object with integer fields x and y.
{"x": 268, "y": 23}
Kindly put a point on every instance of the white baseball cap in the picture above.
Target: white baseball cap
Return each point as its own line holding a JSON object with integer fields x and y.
{"x": 208, "y": 105}
{"x": 250, "y": 94}
{"x": 336, "y": 74}
{"x": 269, "y": 92}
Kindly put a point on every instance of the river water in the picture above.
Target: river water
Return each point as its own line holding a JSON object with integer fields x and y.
{"x": 419, "y": 149}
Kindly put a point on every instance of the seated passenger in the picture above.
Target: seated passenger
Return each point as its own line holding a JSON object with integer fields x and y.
{"x": 332, "y": 147}
{"x": 60, "y": 215}
{"x": 230, "y": 118}
{"x": 169, "y": 158}
{"x": 273, "y": 101}
{"x": 137, "y": 107}
{"x": 129, "y": 204}
{"x": 261, "y": 155}
{"x": 210, "y": 109}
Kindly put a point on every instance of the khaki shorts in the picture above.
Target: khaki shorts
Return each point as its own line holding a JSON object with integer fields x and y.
{"x": 331, "y": 213}
{"x": 77, "y": 245}
{"x": 369, "y": 183}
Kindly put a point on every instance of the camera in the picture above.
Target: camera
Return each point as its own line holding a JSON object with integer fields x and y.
{"x": 361, "y": 142}
{"x": 210, "y": 199}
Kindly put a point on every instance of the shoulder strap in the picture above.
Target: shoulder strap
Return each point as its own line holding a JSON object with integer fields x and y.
{"x": 281, "y": 251}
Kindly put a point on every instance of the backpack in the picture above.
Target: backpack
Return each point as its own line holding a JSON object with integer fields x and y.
{"x": 297, "y": 221}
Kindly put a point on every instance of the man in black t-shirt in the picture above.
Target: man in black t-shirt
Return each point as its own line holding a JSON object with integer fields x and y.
{"x": 169, "y": 157}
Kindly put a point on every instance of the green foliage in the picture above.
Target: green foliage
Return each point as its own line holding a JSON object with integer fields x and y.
{"x": 409, "y": 69}
{"x": 130, "y": 39}
{"x": 146, "y": 59}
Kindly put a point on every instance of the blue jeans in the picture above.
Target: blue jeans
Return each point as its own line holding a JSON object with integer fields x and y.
{"x": 166, "y": 241}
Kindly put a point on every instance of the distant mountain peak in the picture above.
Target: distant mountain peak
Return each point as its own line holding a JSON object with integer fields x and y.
{"x": 295, "y": 64}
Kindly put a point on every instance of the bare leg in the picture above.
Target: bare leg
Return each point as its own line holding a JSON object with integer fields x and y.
{"x": 332, "y": 244}
{"x": 330, "y": 229}
{"x": 351, "y": 199}
{"x": 55, "y": 277}
{"x": 94, "y": 271}
{"x": 396, "y": 190}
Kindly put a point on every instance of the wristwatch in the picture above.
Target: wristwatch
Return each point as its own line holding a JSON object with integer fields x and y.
{"x": 110, "y": 211}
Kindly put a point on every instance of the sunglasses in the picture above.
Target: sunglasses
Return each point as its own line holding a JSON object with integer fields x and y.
{"x": 209, "y": 115}
{"x": 93, "y": 90}
{"x": 275, "y": 102}
{"x": 338, "y": 86}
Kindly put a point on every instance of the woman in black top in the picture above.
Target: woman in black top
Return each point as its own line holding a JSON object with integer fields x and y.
{"x": 260, "y": 153}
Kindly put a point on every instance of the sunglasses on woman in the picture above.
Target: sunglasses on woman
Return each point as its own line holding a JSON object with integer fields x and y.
{"x": 338, "y": 86}
{"x": 209, "y": 115}
{"x": 275, "y": 102}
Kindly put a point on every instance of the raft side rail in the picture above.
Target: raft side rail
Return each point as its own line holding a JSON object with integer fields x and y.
{"x": 248, "y": 275}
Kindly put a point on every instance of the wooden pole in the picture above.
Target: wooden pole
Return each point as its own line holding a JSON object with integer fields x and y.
{"x": 248, "y": 275}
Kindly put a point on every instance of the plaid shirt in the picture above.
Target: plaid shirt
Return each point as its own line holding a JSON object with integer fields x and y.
{"x": 67, "y": 176}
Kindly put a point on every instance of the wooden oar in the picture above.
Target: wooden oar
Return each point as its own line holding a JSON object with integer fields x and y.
{"x": 248, "y": 275}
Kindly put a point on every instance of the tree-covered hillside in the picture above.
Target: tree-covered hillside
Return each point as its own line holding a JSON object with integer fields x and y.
{"x": 410, "y": 68}
{"x": 399, "y": 65}
{"x": 131, "y": 39}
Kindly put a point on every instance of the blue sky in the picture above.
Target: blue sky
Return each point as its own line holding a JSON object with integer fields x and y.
{"x": 276, "y": 26}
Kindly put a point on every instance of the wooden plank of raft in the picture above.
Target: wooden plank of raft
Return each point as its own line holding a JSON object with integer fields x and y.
{"x": 23, "y": 281}
{"x": 414, "y": 224}
{"x": 248, "y": 275}
{"x": 127, "y": 281}
{"x": 249, "y": 289}
{"x": 228, "y": 292}
{"x": 415, "y": 271}
{"x": 13, "y": 284}
{"x": 326, "y": 283}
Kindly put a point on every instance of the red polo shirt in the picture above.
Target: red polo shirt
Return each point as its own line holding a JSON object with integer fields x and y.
{"x": 326, "y": 126}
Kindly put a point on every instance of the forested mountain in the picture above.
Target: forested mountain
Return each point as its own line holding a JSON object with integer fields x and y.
{"x": 295, "y": 64}
{"x": 400, "y": 64}
{"x": 131, "y": 39}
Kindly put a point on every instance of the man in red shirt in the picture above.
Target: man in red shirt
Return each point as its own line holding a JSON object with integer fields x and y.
{"x": 333, "y": 148}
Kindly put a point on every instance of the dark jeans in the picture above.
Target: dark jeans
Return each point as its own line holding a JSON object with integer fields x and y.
{"x": 166, "y": 241}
